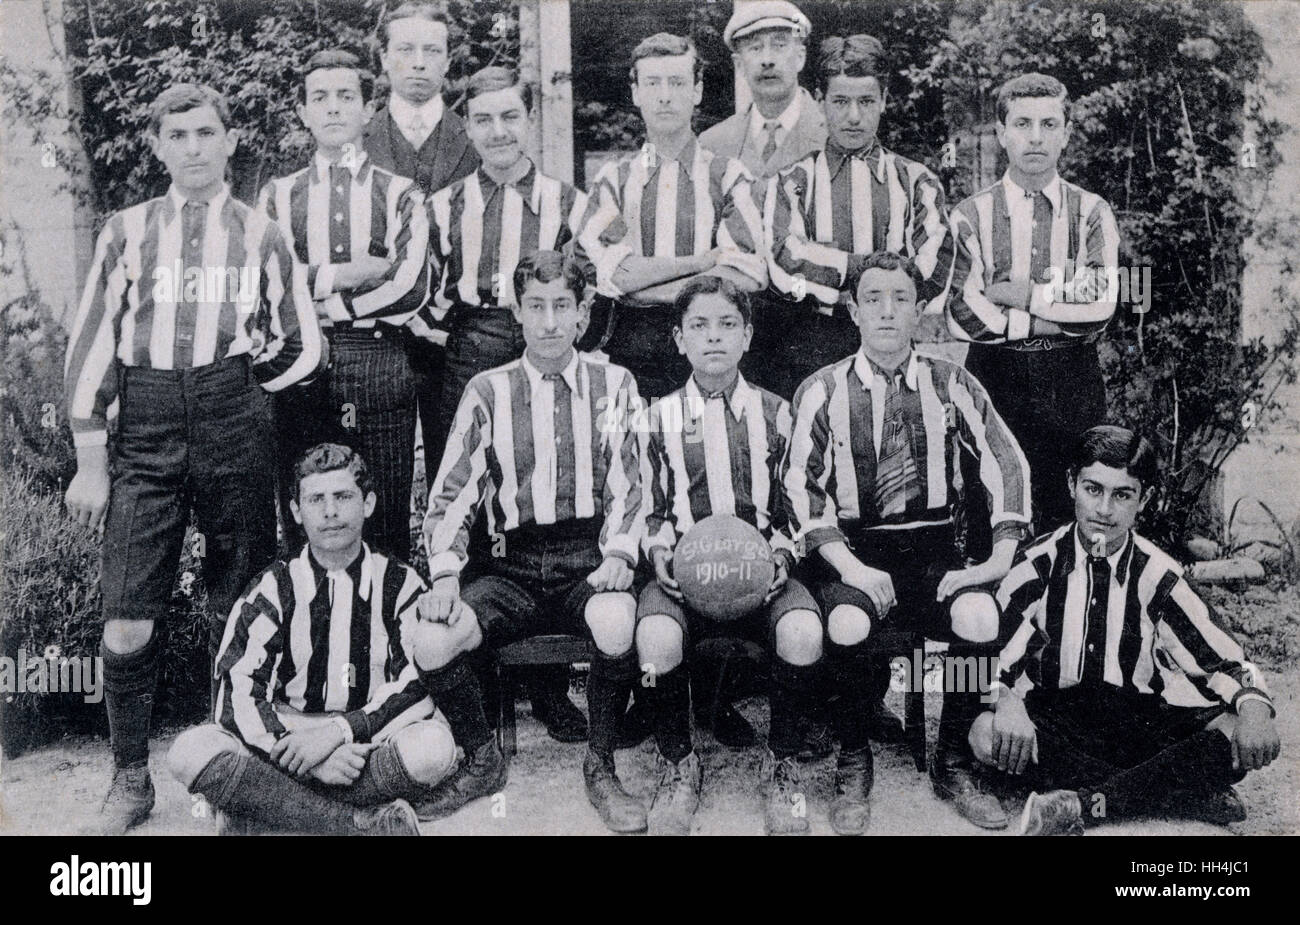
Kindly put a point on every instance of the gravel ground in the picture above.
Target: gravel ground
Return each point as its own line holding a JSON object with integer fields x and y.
{"x": 55, "y": 790}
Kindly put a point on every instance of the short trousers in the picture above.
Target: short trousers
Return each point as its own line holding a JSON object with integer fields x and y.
{"x": 759, "y": 625}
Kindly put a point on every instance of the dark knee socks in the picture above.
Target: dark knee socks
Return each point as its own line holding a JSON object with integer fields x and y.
{"x": 1202, "y": 762}
{"x": 960, "y": 707}
{"x": 607, "y": 689}
{"x": 384, "y": 778}
{"x": 456, "y": 692}
{"x": 851, "y": 675}
{"x": 669, "y": 699}
{"x": 792, "y": 694}
{"x": 129, "y": 683}
{"x": 250, "y": 788}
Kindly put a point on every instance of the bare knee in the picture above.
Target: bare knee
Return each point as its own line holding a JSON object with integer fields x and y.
{"x": 611, "y": 615}
{"x": 848, "y": 625}
{"x": 427, "y": 749}
{"x": 123, "y": 637}
{"x": 434, "y": 645}
{"x": 975, "y": 616}
{"x": 659, "y": 643}
{"x": 799, "y": 637}
{"x": 981, "y": 738}
{"x": 195, "y": 748}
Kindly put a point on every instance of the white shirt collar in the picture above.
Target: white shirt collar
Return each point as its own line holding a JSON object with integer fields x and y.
{"x": 695, "y": 397}
{"x": 323, "y": 163}
{"x": 404, "y": 112}
{"x": 214, "y": 204}
{"x": 863, "y": 367}
{"x": 367, "y": 569}
{"x": 1081, "y": 554}
{"x": 1052, "y": 190}
{"x": 787, "y": 120}
{"x": 536, "y": 377}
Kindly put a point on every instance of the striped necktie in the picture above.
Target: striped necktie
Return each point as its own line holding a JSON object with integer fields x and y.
{"x": 897, "y": 483}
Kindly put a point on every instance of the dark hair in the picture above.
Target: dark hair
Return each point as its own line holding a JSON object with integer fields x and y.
{"x": 1031, "y": 85}
{"x": 883, "y": 260}
{"x": 340, "y": 58}
{"x": 183, "y": 98}
{"x": 704, "y": 285}
{"x": 545, "y": 266}
{"x": 854, "y": 56}
{"x": 328, "y": 457}
{"x": 1119, "y": 448}
{"x": 426, "y": 11}
{"x": 666, "y": 45}
{"x": 491, "y": 79}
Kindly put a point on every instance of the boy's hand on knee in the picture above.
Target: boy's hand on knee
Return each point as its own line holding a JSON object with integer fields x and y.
{"x": 441, "y": 603}
{"x": 662, "y": 559}
{"x": 614, "y": 574}
{"x": 779, "y": 578}
{"x": 1015, "y": 740}
{"x": 875, "y": 584}
{"x": 1255, "y": 741}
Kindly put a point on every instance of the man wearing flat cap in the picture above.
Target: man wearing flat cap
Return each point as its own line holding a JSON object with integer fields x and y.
{"x": 783, "y": 124}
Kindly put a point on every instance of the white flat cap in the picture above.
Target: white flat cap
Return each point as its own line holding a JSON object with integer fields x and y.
{"x": 752, "y": 15}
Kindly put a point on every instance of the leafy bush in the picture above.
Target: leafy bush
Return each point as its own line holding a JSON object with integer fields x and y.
{"x": 49, "y": 564}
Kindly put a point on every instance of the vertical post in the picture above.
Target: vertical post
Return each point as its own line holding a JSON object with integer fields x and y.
{"x": 743, "y": 96}
{"x": 545, "y": 61}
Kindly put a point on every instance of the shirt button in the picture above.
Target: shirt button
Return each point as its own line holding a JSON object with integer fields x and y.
{"x": 194, "y": 242}
{"x": 338, "y": 189}
{"x": 378, "y": 333}
{"x": 338, "y": 248}
{"x": 1092, "y": 647}
{"x": 338, "y": 216}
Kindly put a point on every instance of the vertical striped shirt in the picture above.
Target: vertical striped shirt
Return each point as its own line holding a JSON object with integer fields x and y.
{"x": 336, "y": 213}
{"x": 717, "y": 455}
{"x": 1133, "y": 623}
{"x": 835, "y": 207}
{"x": 830, "y": 471}
{"x": 306, "y": 640}
{"x": 171, "y": 288}
{"x": 646, "y": 205}
{"x": 541, "y": 449}
{"x": 994, "y": 236}
{"x": 479, "y": 230}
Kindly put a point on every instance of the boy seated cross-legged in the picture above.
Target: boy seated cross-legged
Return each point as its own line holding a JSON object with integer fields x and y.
{"x": 542, "y": 444}
{"x": 1120, "y": 695}
{"x": 321, "y": 722}
{"x": 715, "y": 447}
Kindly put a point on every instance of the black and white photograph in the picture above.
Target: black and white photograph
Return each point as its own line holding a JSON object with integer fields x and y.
{"x": 664, "y": 417}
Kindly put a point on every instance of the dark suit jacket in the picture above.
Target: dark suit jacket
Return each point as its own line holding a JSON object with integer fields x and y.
{"x": 444, "y": 158}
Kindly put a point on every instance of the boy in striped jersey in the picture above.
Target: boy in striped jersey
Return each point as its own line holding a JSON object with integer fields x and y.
{"x": 663, "y": 215}
{"x": 1117, "y": 682}
{"x": 1033, "y": 349}
{"x": 872, "y": 480}
{"x": 193, "y": 310}
{"x": 825, "y": 214}
{"x": 321, "y": 723}
{"x": 479, "y": 228}
{"x": 715, "y": 447}
{"x": 361, "y": 231}
{"x": 543, "y": 444}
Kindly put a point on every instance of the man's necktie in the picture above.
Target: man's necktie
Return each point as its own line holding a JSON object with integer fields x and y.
{"x": 1040, "y": 248}
{"x": 770, "y": 147}
{"x": 896, "y": 476}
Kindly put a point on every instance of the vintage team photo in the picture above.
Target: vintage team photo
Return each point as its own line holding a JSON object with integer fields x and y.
{"x": 716, "y": 417}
